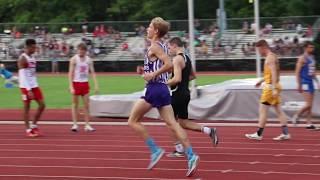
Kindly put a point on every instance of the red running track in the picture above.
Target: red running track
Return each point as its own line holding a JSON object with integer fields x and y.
{"x": 115, "y": 152}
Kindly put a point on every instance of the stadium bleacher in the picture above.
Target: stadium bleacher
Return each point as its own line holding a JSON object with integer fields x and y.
{"x": 108, "y": 48}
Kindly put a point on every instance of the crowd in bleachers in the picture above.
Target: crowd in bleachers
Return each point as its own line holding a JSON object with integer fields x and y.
{"x": 209, "y": 43}
{"x": 61, "y": 45}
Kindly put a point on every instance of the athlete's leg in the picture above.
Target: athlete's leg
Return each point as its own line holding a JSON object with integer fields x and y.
{"x": 167, "y": 114}
{"x": 263, "y": 115}
{"x": 85, "y": 100}
{"x": 283, "y": 121}
{"x": 263, "y": 112}
{"x": 87, "y": 126}
{"x": 41, "y": 108}
{"x": 187, "y": 124}
{"x": 307, "y": 106}
{"x": 140, "y": 108}
{"x": 26, "y": 110}
{"x": 309, "y": 102}
{"x": 75, "y": 109}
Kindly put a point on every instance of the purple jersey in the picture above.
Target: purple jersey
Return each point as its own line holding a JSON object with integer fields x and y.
{"x": 154, "y": 65}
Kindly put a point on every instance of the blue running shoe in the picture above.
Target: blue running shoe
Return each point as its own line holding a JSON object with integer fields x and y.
{"x": 192, "y": 165}
{"x": 155, "y": 157}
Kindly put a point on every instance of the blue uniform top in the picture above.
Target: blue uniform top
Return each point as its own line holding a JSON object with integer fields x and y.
{"x": 308, "y": 69}
{"x": 154, "y": 65}
{"x": 7, "y": 74}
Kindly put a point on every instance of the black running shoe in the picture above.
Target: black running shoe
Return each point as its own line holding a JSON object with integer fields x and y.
{"x": 175, "y": 154}
{"x": 311, "y": 127}
{"x": 214, "y": 136}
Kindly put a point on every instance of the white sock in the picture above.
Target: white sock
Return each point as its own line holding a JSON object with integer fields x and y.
{"x": 28, "y": 130}
{"x": 206, "y": 130}
{"x": 179, "y": 147}
{"x": 33, "y": 126}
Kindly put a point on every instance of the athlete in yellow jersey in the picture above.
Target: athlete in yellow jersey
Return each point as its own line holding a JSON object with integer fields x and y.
{"x": 270, "y": 96}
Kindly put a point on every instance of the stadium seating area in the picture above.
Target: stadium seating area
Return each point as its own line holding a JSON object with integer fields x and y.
{"x": 126, "y": 46}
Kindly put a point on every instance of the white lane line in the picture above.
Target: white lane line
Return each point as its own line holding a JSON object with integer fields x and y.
{"x": 82, "y": 177}
{"x": 254, "y": 162}
{"x": 226, "y": 171}
{"x": 164, "y": 160}
{"x": 278, "y": 155}
{"x": 121, "y": 123}
{"x": 40, "y": 139}
{"x": 165, "y": 146}
{"x": 160, "y": 169}
{"x": 268, "y": 172}
{"x": 156, "y": 135}
{"x": 147, "y": 152}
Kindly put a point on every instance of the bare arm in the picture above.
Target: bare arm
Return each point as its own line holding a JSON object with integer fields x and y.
{"x": 178, "y": 65}
{"x": 22, "y": 62}
{"x": 274, "y": 74}
{"x": 299, "y": 65}
{"x": 192, "y": 75}
{"x": 316, "y": 79}
{"x": 258, "y": 84}
{"x": 71, "y": 73}
{"x": 93, "y": 74}
{"x": 157, "y": 51}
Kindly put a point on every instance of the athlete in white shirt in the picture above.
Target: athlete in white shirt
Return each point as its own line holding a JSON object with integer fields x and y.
{"x": 79, "y": 68}
{"x": 30, "y": 89}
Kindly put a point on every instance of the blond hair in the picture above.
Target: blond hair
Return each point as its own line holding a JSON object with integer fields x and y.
{"x": 161, "y": 25}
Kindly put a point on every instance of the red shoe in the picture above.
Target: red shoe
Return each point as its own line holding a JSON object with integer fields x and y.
{"x": 30, "y": 133}
{"x": 36, "y": 131}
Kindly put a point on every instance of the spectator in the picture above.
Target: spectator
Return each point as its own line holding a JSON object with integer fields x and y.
{"x": 296, "y": 40}
{"x": 125, "y": 46}
{"x": 299, "y": 29}
{"x": 84, "y": 26}
{"x": 142, "y": 31}
{"x": 204, "y": 48}
{"x": 252, "y": 28}
{"x": 15, "y": 33}
{"x": 217, "y": 47}
{"x": 245, "y": 50}
{"x": 227, "y": 50}
{"x": 309, "y": 32}
{"x": 267, "y": 29}
{"x": 245, "y": 27}
{"x": 96, "y": 31}
{"x": 102, "y": 31}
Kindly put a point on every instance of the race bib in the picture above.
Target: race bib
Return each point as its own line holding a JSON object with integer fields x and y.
{"x": 31, "y": 72}
{"x": 83, "y": 75}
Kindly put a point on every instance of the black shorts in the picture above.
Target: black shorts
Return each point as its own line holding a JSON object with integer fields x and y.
{"x": 180, "y": 102}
